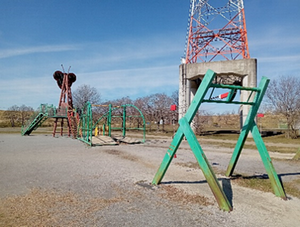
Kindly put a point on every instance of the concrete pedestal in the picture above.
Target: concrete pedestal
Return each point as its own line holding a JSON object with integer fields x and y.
{"x": 239, "y": 72}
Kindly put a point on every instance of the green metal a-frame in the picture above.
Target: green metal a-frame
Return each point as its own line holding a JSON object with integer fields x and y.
{"x": 249, "y": 125}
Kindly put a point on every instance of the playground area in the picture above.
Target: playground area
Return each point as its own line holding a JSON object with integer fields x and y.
{"x": 85, "y": 125}
{"x": 127, "y": 181}
{"x": 48, "y": 181}
{"x": 107, "y": 126}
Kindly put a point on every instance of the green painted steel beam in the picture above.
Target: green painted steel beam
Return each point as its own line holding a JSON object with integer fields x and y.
{"x": 200, "y": 94}
{"x": 265, "y": 157}
{"x": 185, "y": 130}
{"x": 249, "y": 125}
{"x": 207, "y": 170}
{"x": 249, "y": 122}
{"x": 124, "y": 122}
{"x": 109, "y": 120}
{"x": 168, "y": 157}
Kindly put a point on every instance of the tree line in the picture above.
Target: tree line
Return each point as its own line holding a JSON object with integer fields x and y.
{"x": 155, "y": 107}
{"x": 17, "y": 115}
{"x": 282, "y": 98}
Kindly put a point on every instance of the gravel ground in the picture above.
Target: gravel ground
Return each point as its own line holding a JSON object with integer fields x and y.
{"x": 48, "y": 181}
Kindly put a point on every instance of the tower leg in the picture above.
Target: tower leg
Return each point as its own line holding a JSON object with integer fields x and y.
{"x": 62, "y": 127}
{"x": 54, "y": 128}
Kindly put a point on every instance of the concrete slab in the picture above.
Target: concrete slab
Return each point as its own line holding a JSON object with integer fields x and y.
{"x": 103, "y": 140}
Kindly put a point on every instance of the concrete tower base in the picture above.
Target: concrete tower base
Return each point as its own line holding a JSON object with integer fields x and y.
{"x": 238, "y": 72}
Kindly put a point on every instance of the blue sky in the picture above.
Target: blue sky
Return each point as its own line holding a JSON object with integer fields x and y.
{"x": 123, "y": 48}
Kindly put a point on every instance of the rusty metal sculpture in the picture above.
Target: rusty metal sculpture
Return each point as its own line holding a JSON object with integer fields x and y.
{"x": 65, "y": 105}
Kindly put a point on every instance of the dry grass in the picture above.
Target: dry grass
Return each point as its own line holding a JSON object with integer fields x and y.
{"x": 228, "y": 143}
{"x": 177, "y": 195}
{"x": 297, "y": 156}
{"x": 51, "y": 208}
{"x": 293, "y": 188}
{"x": 192, "y": 165}
{"x": 263, "y": 184}
{"x": 257, "y": 183}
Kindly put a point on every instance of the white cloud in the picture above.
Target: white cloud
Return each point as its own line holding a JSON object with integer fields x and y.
{"x": 131, "y": 77}
{"x": 274, "y": 37}
{"x": 115, "y": 68}
{"x": 36, "y": 49}
{"x": 28, "y": 91}
{"x": 286, "y": 58}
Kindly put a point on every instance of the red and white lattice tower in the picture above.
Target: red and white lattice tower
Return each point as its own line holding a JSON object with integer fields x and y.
{"x": 216, "y": 31}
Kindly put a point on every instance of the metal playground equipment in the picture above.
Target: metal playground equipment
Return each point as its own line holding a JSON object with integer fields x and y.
{"x": 64, "y": 112}
{"x": 202, "y": 95}
{"x": 83, "y": 126}
{"x": 87, "y": 127}
{"x": 64, "y": 82}
{"x": 47, "y": 111}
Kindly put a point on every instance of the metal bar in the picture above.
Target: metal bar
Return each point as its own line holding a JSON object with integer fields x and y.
{"x": 103, "y": 128}
{"x": 200, "y": 94}
{"x": 90, "y": 125}
{"x": 115, "y": 128}
{"x": 207, "y": 170}
{"x": 124, "y": 121}
{"x": 212, "y": 91}
{"x": 228, "y": 102}
{"x": 235, "y": 87}
{"x": 231, "y": 95}
{"x": 247, "y": 125}
{"x": 168, "y": 157}
{"x": 265, "y": 157}
{"x": 109, "y": 121}
{"x": 250, "y": 96}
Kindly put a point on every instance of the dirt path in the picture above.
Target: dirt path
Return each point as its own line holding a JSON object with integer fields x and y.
{"x": 49, "y": 181}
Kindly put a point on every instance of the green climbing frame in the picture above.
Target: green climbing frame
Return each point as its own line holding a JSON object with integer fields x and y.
{"x": 249, "y": 126}
{"x": 86, "y": 125}
{"x": 84, "y": 129}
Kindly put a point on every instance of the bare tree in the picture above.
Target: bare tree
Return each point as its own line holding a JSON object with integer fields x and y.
{"x": 284, "y": 96}
{"x": 25, "y": 113}
{"x": 229, "y": 120}
{"x": 175, "y": 97}
{"x": 85, "y": 93}
{"x": 12, "y": 114}
{"x": 18, "y": 115}
{"x": 160, "y": 103}
{"x": 201, "y": 121}
{"x": 144, "y": 105}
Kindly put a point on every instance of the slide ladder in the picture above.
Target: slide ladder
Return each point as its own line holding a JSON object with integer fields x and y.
{"x": 73, "y": 122}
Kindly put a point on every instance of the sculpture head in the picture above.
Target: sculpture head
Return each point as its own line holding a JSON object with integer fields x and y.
{"x": 59, "y": 77}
